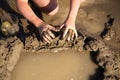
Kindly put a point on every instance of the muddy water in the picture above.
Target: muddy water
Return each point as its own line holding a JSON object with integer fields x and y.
{"x": 65, "y": 65}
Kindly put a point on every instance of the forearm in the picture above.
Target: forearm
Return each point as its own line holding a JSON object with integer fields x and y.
{"x": 28, "y": 13}
{"x": 74, "y": 7}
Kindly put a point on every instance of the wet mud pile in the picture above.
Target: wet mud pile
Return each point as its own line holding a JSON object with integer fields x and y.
{"x": 10, "y": 50}
{"x": 27, "y": 40}
{"x": 106, "y": 58}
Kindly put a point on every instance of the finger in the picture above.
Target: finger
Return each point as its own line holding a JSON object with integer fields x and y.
{"x": 48, "y": 37}
{"x": 62, "y": 26}
{"x": 72, "y": 35}
{"x": 69, "y": 34}
{"x": 65, "y": 32}
{"x": 52, "y": 28}
{"x": 76, "y": 34}
{"x": 51, "y": 34}
{"x": 45, "y": 39}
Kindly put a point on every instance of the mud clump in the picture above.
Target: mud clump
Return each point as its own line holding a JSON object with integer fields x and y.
{"x": 9, "y": 23}
{"x": 10, "y": 50}
{"x": 108, "y": 32}
{"x": 33, "y": 45}
{"x": 106, "y": 58}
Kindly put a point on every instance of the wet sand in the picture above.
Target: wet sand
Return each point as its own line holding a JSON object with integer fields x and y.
{"x": 91, "y": 18}
{"x": 64, "y": 65}
{"x": 108, "y": 7}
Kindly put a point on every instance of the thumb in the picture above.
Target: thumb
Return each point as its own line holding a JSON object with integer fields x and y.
{"x": 51, "y": 28}
{"x": 54, "y": 28}
{"x": 59, "y": 28}
{"x": 62, "y": 26}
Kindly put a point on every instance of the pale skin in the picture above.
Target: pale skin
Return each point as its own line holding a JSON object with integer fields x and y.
{"x": 51, "y": 7}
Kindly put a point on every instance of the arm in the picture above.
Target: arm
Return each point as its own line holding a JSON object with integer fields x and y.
{"x": 74, "y": 7}
{"x": 28, "y": 13}
{"x": 71, "y": 18}
{"x": 43, "y": 28}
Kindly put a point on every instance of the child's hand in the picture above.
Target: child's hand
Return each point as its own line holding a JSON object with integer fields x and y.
{"x": 45, "y": 32}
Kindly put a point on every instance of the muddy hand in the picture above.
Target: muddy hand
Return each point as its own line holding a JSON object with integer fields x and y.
{"x": 45, "y": 32}
{"x": 70, "y": 32}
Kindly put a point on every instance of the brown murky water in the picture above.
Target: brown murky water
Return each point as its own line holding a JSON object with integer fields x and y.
{"x": 65, "y": 65}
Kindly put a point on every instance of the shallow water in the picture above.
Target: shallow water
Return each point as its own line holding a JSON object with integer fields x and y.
{"x": 65, "y": 65}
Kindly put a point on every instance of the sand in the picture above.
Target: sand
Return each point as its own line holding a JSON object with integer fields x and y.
{"x": 90, "y": 23}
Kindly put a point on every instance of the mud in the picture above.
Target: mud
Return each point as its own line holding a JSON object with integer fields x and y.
{"x": 105, "y": 53}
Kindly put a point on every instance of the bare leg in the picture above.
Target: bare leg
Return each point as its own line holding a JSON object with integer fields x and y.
{"x": 48, "y": 6}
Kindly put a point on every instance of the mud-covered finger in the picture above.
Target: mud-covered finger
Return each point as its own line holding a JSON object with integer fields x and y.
{"x": 69, "y": 34}
{"x": 51, "y": 34}
{"x": 76, "y": 34}
{"x": 69, "y": 37}
{"x": 45, "y": 39}
{"x": 72, "y": 35}
{"x": 48, "y": 37}
{"x": 65, "y": 32}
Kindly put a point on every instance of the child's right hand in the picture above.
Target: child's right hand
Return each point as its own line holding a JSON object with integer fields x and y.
{"x": 45, "y": 31}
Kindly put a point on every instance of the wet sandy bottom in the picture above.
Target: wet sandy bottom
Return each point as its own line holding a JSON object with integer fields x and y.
{"x": 65, "y": 65}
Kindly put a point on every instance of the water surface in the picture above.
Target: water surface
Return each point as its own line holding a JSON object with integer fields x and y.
{"x": 65, "y": 65}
